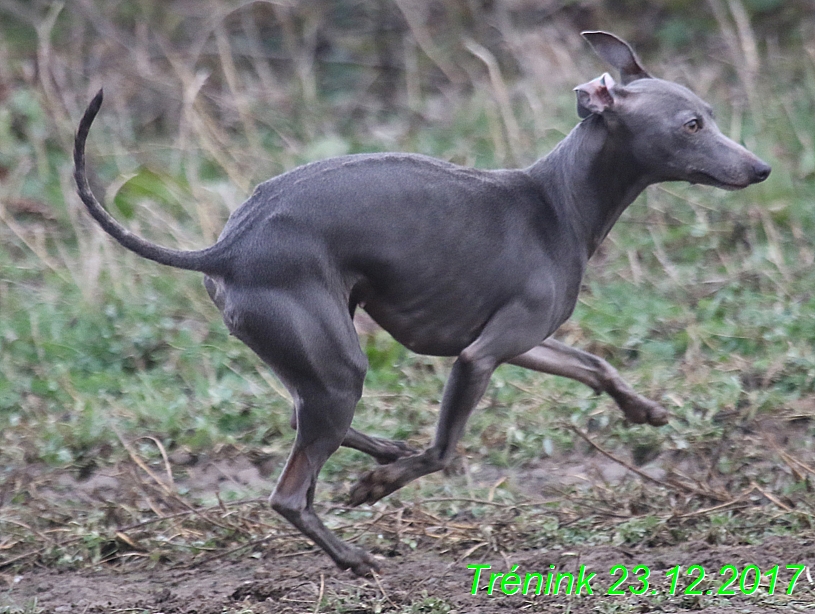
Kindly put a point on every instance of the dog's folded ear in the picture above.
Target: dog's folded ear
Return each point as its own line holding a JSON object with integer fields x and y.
{"x": 595, "y": 96}
{"x": 618, "y": 54}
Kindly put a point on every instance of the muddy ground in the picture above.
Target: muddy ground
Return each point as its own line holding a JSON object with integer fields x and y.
{"x": 149, "y": 567}
{"x": 297, "y": 583}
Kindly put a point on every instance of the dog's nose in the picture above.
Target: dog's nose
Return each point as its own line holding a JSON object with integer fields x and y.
{"x": 761, "y": 170}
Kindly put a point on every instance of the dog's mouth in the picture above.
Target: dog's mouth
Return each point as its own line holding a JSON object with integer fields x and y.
{"x": 704, "y": 178}
{"x": 735, "y": 177}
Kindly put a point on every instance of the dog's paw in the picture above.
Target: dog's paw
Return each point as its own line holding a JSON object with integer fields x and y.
{"x": 366, "y": 567}
{"x": 357, "y": 560}
{"x": 658, "y": 415}
{"x": 640, "y": 410}
{"x": 371, "y": 487}
{"x": 386, "y": 479}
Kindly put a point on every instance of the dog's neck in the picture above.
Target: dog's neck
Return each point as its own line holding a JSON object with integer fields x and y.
{"x": 591, "y": 177}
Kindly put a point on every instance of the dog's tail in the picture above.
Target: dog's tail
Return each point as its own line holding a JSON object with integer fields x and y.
{"x": 205, "y": 260}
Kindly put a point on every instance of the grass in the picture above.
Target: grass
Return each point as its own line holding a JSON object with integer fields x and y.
{"x": 703, "y": 300}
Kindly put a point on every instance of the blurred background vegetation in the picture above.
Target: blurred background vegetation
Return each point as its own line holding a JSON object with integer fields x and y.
{"x": 703, "y": 299}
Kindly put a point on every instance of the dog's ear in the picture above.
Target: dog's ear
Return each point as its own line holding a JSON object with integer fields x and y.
{"x": 618, "y": 54}
{"x": 595, "y": 96}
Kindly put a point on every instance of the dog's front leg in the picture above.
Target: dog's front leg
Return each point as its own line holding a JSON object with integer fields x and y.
{"x": 557, "y": 358}
{"x": 505, "y": 335}
{"x": 467, "y": 382}
{"x": 383, "y": 451}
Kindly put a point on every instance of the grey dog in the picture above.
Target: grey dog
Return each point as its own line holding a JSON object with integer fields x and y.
{"x": 483, "y": 265}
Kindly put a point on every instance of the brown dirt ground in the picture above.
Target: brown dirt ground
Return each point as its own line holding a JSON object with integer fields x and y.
{"x": 286, "y": 575}
{"x": 293, "y": 584}
{"x": 291, "y": 579}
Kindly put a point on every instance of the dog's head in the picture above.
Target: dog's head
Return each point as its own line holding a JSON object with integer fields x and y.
{"x": 669, "y": 130}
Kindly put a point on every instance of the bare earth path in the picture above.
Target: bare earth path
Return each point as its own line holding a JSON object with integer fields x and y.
{"x": 117, "y": 538}
{"x": 293, "y": 584}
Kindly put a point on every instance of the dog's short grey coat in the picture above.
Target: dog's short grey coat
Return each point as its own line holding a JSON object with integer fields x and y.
{"x": 483, "y": 265}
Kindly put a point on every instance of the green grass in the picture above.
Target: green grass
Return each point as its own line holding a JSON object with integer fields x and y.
{"x": 701, "y": 297}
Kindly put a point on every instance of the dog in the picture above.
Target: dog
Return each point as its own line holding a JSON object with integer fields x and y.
{"x": 483, "y": 265}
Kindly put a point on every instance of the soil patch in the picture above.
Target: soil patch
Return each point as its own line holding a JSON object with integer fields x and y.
{"x": 296, "y": 583}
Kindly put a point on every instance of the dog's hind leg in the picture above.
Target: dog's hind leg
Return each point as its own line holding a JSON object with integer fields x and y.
{"x": 293, "y": 496}
{"x": 311, "y": 344}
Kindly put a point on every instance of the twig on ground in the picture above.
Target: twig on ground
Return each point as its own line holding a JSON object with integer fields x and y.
{"x": 251, "y": 544}
{"x": 793, "y": 463}
{"x": 164, "y": 456}
{"x": 721, "y": 506}
{"x": 382, "y": 589}
{"x": 672, "y": 485}
{"x": 772, "y": 498}
{"x": 320, "y": 594}
{"x": 136, "y": 459}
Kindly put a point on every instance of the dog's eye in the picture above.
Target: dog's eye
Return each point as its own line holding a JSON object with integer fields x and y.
{"x": 693, "y": 126}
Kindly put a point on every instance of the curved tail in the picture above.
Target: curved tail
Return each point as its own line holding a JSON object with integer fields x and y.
{"x": 207, "y": 260}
